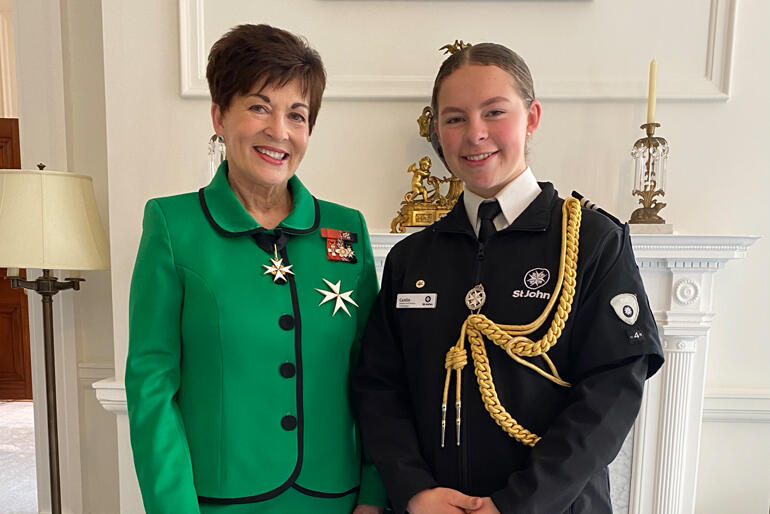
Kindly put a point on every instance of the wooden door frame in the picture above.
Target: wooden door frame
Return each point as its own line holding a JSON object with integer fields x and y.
{"x": 10, "y": 151}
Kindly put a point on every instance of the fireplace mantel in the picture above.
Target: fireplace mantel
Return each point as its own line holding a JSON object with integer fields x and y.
{"x": 656, "y": 469}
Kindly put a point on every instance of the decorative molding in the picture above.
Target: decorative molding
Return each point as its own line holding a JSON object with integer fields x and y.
{"x": 695, "y": 253}
{"x": 89, "y": 372}
{"x": 714, "y": 85}
{"x": 8, "y": 103}
{"x": 680, "y": 344}
{"x": 673, "y": 430}
{"x": 737, "y": 406}
{"x": 686, "y": 291}
{"x": 191, "y": 49}
{"x": 721, "y": 38}
{"x": 720, "y": 406}
{"x": 681, "y": 264}
{"x": 111, "y": 393}
{"x": 702, "y": 246}
{"x": 696, "y": 323}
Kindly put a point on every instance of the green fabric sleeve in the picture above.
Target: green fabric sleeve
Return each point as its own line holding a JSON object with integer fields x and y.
{"x": 372, "y": 490}
{"x": 158, "y": 439}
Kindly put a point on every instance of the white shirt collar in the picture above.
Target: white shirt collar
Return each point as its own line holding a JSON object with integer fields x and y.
{"x": 514, "y": 198}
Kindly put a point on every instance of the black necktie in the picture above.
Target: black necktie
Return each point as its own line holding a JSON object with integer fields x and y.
{"x": 488, "y": 211}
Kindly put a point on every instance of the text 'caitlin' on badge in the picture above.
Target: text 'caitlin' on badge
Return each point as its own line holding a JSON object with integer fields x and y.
{"x": 416, "y": 301}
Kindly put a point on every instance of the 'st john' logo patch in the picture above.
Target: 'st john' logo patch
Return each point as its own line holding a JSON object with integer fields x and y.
{"x": 536, "y": 278}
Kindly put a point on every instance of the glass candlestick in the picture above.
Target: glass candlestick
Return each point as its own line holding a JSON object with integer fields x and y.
{"x": 650, "y": 155}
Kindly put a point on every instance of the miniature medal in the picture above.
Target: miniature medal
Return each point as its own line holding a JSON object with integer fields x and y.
{"x": 339, "y": 298}
{"x": 277, "y": 269}
{"x": 475, "y": 298}
{"x": 339, "y": 245}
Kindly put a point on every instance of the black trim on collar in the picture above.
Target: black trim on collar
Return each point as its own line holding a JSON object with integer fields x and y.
{"x": 287, "y": 230}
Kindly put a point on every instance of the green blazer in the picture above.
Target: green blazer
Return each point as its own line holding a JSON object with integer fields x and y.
{"x": 237, "y": 386}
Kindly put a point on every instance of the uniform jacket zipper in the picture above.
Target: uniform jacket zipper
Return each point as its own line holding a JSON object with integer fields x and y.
{"x": 462, "y": 455}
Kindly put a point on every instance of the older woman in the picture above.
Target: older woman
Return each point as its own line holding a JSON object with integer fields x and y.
{"x": 248, "y": 299}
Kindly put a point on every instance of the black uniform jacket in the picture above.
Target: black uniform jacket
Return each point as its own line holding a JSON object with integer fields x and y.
{"x": 605, "y": 353}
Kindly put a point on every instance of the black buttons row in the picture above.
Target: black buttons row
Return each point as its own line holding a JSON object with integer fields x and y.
{"x": 286, "y": 322}
{"x": 289, "y": 422}
{"x": 288, "y": 370}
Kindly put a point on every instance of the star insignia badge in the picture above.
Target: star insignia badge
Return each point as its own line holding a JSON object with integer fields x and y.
{"x": 339, "y": 298}
{"x": 278, "y": 270}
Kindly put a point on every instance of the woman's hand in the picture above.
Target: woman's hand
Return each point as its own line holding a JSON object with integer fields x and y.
{"x": 441, "y": 500}
{"x": 368, "y": 509}
{"x": 487, "y": 507}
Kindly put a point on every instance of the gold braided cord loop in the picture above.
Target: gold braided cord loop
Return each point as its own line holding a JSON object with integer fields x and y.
{"x": 456, "y": 358}
{"x": 489, "y": 394}
{"x": 512, "y": 338}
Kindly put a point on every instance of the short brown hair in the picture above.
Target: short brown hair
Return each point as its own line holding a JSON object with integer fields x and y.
{"x": 260, "y": 54}
{"x": 487, "y": 54}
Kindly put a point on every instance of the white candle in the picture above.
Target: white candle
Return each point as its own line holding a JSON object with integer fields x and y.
{"x": 651, "y": 92}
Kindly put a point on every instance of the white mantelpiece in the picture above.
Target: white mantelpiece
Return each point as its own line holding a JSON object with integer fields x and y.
{"x": 657, "y": 468}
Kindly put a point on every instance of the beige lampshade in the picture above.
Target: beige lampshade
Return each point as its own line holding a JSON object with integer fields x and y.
{"x": 49, "y": 220}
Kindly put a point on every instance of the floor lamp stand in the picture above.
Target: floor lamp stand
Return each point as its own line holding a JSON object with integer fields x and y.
{"x": 47, "y": 286}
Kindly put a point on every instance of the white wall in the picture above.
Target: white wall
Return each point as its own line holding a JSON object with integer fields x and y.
{"x": 719, "y": 172}
{"x": 83, "y": 77}
{"x": 589, "y": 60}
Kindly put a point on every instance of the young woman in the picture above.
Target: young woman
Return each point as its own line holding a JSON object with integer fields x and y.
{"x": 237, "y": 404}
{"x": 504, "y": 361}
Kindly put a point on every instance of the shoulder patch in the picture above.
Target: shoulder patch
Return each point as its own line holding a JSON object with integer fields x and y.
{"x": 588, "y": 204}
{"x": 626, "y": 307}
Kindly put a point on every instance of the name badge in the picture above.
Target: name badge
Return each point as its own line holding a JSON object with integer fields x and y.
{"x": 416, "y": 301}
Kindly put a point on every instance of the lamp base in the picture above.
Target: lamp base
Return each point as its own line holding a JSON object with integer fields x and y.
{"x": 47, "y": 286}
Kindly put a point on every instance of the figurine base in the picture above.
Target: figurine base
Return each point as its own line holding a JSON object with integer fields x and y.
{"x": 651, "y": 228}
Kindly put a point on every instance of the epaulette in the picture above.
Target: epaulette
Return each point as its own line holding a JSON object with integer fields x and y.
{"x": 588, "y": 204}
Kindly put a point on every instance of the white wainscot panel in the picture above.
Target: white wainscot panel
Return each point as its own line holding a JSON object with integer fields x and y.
{"x": 577, "y": 50}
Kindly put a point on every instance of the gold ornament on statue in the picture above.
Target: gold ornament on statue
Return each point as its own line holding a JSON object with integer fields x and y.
{"x": 455, "y": 47}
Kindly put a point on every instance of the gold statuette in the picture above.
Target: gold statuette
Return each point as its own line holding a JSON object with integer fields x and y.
{"x": 424, "y": 203}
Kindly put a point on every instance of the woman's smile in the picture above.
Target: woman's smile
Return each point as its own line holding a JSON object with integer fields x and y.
{"x": 479, "y": 158}
{"x": 271, "y": 154}
{"x": 482, "y": 125}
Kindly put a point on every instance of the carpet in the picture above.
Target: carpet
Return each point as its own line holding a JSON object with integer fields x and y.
{"x": 18, "y": 482}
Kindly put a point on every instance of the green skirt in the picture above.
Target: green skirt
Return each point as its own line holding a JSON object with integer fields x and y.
{"x": 289, "y": 502}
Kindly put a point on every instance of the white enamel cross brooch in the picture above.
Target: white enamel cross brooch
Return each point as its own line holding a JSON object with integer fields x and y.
{"x": 339, "y": 298}
{"x": 277, "y": 269}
